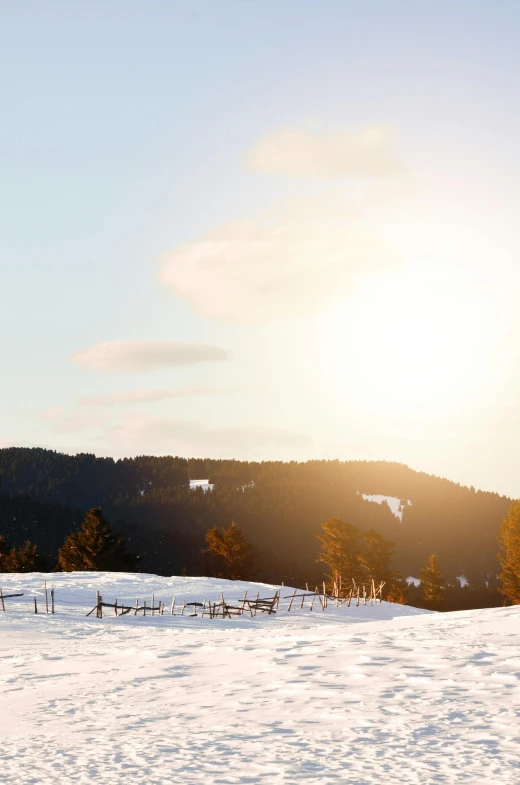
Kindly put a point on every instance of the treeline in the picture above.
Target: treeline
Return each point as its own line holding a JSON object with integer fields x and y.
{"x": 279, "y": 506}
{"x": 355, "y": 561}
{"x": 366, "y": 558}
{"x": 93, "y": 547}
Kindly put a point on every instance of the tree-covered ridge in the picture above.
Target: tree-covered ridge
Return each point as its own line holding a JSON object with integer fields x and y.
{"x": 82, "y": 480}
{"x": 149, "y": 501}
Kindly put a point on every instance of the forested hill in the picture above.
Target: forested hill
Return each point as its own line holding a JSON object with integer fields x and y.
{"x": 279, "y": 505}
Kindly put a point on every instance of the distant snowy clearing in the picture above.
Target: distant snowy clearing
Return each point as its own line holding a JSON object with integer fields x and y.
{"x": 393, "y": 502}
{"x": 370, "y": 694}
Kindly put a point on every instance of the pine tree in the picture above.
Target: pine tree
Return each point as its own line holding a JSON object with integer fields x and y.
{"x": 509, "y": 555}
{"x": 95, "y": 547}
{"x": 340, "y": 550}
{"x": 232, "y": 553}
{"x": 4, "y": 555}
{"x": 397, "y": 589}
{"x": 375, "y": 555}
{"x": 432, "y": 584}
{"x": 26, "y": 558}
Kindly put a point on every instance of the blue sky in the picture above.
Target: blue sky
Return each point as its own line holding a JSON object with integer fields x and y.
{"x": 324, "y": 194}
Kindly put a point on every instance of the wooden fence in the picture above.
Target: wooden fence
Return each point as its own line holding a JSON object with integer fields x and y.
{"x": 319, "y": 598}
{"x": 357, "y": 594}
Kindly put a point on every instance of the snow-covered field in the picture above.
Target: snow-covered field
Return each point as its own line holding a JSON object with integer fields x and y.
{"x": 375, "y": 694}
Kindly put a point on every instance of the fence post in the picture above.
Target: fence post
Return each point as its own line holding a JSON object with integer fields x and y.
{"x": 2, "y": 598}
{"x": 173, "y": 606}
{"x": 35, "y": 606}
{"x": 52, "y": 600}
{"x": 46, "y": 598}
{"x": 291, "y": 602}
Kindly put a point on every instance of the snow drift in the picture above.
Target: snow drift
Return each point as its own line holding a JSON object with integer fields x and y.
{"x": 374, "y": 694}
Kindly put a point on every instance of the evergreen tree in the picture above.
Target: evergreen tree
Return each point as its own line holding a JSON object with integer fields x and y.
{"x": 432, "y": 584}
{"x": 340, "y": 550}
{"x": 231, "y": 552}
{"x": 375, "y": 555}
{"x": 95, "y": 547}
{"x": 4, "y": 554}
{"x": 25, "y": 558}
{"x": 509, "y": 555}
{"x": 397, "y": 589}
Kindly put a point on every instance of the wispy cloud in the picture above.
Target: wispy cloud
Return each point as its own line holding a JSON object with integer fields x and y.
{"x": 163, "y": 436}
{"x": 133, "y": 356}
{"x": 146, "y": 396}
{"x": 53, "y": 412}
{"x": 297, "y": 152}
{"x": 287, "y": 261}
{"x": 76, "y": 422}
{"x": 142, "y": 433}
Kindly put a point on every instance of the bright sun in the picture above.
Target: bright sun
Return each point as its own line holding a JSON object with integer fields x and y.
{"x": 406, "y": 348}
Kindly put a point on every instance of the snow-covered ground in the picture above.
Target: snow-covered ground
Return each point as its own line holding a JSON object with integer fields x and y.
{"x": 393, "y": 502}
{"x": 417, "y": 581}
{"x": 204, "y": 484}
{"x": 374, "y": 694}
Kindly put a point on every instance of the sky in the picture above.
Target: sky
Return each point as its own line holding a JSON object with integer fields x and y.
{"x": 263, "y": 230}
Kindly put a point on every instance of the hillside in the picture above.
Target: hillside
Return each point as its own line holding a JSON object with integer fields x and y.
{"x": 280, "y": 506}
{"x": 365, "y": 695}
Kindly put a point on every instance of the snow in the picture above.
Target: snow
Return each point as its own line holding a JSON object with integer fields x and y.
{"x": 204, "y": 484}
{"x": 417, "y": 581}
{"x": 393, "y": 502}
{"x": 374, "y": 694}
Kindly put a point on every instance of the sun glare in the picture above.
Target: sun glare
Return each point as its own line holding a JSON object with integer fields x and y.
{"x": 411, "y": 349}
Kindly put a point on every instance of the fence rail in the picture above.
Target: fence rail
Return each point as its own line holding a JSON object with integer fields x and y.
{"x": 357, "y": 594}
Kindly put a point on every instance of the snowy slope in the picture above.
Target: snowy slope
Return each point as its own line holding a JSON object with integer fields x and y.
{"x": 393, "y": 502}
{"x": 401, "y": 696}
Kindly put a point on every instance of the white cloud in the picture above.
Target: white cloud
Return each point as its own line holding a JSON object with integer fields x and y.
{"x": 132, "y": 356}
{"x": 53, "y": 412}
{"x": 146, "y": 396}
{"x": 298, "y": 152}
{"x": 288, "y": 261}
{"x": 75, "y": 422}
{"x": 172, "y": 436}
